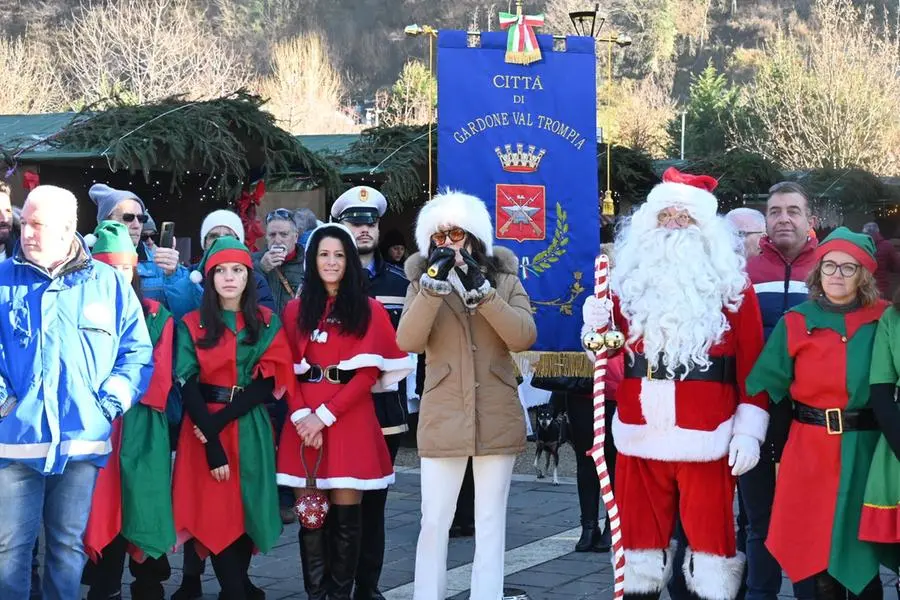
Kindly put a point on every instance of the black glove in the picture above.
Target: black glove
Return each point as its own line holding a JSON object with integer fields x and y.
{"x": 472, "y": 279}
{"x": 195, "y": 406}
{"x": 258, "y": 392}
{"x": 440, "y": 262}
{"x": 215, "y": 454}
{"x": 881, "y": 399}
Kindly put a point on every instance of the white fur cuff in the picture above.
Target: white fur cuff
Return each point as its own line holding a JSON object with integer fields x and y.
{"x": 435, "y": 286}
{"x": 472, "y": 298}
{"x": 713, "y": 577}
{"x": 751, "y": 420}
{"x": 326, "y": 415}
{"x": 300, "y": 413}
{"x": 648, "y": 571}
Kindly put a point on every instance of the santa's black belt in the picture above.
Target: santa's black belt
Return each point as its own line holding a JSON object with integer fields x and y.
{"x": 835, "y": 420}
{"x": 216, "y": 394}
{"x": 722, "y": 369}
{"x": 330, "y": 374}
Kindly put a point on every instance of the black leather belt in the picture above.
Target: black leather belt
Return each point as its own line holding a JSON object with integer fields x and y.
{"x": 215, "y": 394}
{"x": 722, "y": 369}
{"x": 835, "y": 420}
{"x": 330, "y": 374}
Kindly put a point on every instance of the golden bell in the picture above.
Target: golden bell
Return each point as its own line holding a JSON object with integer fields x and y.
{"x": 613, "y": 339}
{"x": 592, "y": 341}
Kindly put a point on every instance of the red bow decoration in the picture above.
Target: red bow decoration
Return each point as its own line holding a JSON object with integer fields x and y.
{"x": 30, "y": 180}
{"x": 247, "y": 204}
{"x": 704, "y": 182}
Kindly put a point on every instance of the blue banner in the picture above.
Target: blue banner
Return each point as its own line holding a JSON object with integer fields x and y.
{"x": 524, "y": 140}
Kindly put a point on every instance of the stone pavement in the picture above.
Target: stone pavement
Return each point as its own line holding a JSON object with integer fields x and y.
{"x": 543, "y": 525}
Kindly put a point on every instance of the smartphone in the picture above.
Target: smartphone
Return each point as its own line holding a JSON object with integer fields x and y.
{"x": 166, "y": 234}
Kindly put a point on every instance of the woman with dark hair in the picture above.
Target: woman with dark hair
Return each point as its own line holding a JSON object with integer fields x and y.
{"x": 466, "y": 310}
{"x": 819, "y": 357}
{"x": 344, "y": 349}
{"x": 131, "y": 509}
{"x": 231, "y": 356}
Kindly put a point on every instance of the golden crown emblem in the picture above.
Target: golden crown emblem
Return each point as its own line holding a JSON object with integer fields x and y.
{"x": 519, "y": 160}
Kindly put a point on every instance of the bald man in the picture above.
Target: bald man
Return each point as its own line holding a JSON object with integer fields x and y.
{"x": 74, "y": 355}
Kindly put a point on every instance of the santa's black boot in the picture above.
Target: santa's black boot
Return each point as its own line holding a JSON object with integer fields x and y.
{"x": 314, "y": 562}
{"x": 343, "y": 549}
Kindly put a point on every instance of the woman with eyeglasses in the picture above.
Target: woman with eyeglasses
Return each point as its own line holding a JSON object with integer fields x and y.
{"x": 344, "y": 349}
{"x": 231, "y": 357}
{"x": 466, "y": 310}
{"x": 819, "y": 357}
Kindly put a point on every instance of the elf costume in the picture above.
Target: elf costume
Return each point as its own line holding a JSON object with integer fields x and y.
{"x": 132, "y": 502}
{"x": 224, "y": 388}
{"x": 819, "y": 355}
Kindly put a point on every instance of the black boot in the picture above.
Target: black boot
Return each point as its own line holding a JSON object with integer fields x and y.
{"x": 371, "y": 553}
{"x": 343, "y": 549}
{"x": 602, "y": 540}
{"x": 589, "y": 531}
{"x": 828, "y": 588}
{"x": 190, "y": 588}
{"x": 314, "y": 562}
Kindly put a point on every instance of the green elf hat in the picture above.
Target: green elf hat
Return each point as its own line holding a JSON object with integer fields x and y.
{"x": 225, "y": 249}
{"x": 110, "y": 243}
{"x": 858, "y": 245}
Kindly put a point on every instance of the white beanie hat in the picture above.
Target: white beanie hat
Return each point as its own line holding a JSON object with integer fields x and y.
{"x": 692, "y": 193}
{"x": 224, "y": 218}
{"x": 454, "y": 209}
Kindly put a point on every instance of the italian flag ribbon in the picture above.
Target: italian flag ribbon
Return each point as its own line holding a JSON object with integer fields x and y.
{"x": 522, "y": 45}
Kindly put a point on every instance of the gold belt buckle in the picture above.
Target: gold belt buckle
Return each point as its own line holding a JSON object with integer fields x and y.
{"x": 840, "y": 421}
{"x": 649, "y": 369}
{"x": 234, "y": 389}
{"x": 332, "y": 375}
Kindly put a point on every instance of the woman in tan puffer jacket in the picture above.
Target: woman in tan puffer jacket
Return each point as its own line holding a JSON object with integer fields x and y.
{"x": 466, "y": 310}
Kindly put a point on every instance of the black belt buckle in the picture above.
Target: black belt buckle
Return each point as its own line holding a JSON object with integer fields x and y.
{"x": 332, "y": 374}
{"x": 839, "y": 419}
{"x": 314, "y": 375}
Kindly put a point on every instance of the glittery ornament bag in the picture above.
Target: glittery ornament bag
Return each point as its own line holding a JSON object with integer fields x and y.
{"x": 312, "y": 507}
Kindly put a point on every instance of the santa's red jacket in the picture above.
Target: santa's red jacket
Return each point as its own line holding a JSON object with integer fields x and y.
{"x": 693, "y": 421}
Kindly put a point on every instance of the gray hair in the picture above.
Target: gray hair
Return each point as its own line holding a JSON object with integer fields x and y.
{"x": 64, "y": 202}
{"x": 871, "y": 228}
{"x": 305, "y": 219}
{"x": 745, "y": 214}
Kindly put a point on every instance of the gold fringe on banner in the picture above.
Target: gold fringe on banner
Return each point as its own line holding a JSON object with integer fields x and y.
{"x": 523, "y": 58}
{"x": 555, "y": 364}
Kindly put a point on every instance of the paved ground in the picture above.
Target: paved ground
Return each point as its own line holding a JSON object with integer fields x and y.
{"x": 543, "y": 525}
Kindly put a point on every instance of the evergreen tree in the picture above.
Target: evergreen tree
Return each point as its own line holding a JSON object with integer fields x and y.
{"x": 712, "y": 102}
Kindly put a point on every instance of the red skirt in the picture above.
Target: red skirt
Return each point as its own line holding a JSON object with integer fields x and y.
{"x": 354, "y": 453}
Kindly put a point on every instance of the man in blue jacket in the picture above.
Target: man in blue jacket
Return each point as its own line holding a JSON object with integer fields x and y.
{"x": 74, "y": 355}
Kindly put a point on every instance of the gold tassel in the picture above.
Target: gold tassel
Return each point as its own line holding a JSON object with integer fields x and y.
{"x": 523, "y": 58}
{"x": 609, "y": 208}
{"x": 556, "y": 364}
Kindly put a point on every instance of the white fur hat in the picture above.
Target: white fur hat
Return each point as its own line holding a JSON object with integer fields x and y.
{"x": 681, "y": 190}
{"x": 449, "y": 209}
{"x": 225, "y": 218}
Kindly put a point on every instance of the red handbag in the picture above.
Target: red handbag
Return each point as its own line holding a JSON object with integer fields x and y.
{"x": 312, "y": 507}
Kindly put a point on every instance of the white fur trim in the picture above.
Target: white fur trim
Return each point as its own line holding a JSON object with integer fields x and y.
{"x": 196, "y": 276}
{"x": 301, "y": 367}
{"x": 222, "y": 218}
{"x": 393, "y": 370}
{"x": 435, "y": 286}
{"x": 326, "y": 415}
{"x": 672, "y": 445}
{"x": 701, "y": 204}
{"x": 90, "y": 239}
{"x": 751, "y": 420}
{"x": 300, "y": 413}
{"x": 648, "y": 571}
{"x": 658, "y": 403}
{"x": 337, "y": 483}
{"x": 451, "y": 208}
{"x": 712, "y": 577}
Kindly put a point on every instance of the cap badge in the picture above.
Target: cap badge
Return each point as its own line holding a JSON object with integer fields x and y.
{"x": 364, "y": 194}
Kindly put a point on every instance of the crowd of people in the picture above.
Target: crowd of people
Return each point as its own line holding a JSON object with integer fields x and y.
{"x": 759, "y": 362}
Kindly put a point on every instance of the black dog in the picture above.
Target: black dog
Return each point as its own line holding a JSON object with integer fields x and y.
{"x": 551, "y": 435}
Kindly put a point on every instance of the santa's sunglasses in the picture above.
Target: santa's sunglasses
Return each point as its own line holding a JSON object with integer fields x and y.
{"x": 456, "y": 235}
{"x": 129, "y": 217}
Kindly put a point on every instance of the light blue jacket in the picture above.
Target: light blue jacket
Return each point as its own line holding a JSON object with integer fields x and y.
{"x": 155, "y": 284}
{"x": 74, "y": 354}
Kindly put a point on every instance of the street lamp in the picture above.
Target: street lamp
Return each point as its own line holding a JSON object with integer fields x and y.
{"x": 580, "y": 21}
{"x": 431, "y": 32}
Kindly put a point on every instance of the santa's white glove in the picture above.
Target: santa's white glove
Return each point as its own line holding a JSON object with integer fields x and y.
{"x": 595, "y": 312}
{"x": 743, "y": 453}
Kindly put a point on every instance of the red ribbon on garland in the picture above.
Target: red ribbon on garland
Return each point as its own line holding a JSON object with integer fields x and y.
{"x": 30, "y": 180}
{"x": 246, "y": 205}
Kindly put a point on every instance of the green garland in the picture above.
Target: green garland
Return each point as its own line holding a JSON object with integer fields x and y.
{"x": 225, "y": 137}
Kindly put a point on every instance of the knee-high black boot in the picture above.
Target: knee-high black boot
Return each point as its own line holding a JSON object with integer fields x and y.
{"x": 828, "y": 588}
{"x": 229, "y": 568}
{"x": 872, "y": 591}
{"x": 148, "y": 578}
{"x": 343, "y": 549}
{"x": 371, "y": 555}
{"x": 314, "y": 562}
{"x": 106, "y": 575}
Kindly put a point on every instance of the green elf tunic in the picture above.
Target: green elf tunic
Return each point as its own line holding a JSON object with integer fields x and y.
{"x": 881, "y": 510}
{"x": 821, "y": 358}
{"x": 132, "y": 496}
{"x": 217, "y": 514}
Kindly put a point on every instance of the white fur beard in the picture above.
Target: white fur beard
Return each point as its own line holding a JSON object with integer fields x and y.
{"x": 673, "y": 286}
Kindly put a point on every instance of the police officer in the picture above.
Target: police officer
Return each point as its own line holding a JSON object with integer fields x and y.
{"x": 360, "y": 209}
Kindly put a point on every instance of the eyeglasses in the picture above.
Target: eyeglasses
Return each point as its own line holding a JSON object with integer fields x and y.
{"x": 683, "y": 219}
{"x": 744, "y": 234}
{"x": 280, "y": 213}
{"x": 830, "y": 267}
{"x": 129, "y": 217}
{"x": 456, "y": 234}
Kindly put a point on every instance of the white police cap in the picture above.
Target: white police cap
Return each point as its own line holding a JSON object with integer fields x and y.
{"x": 361, "y": 204}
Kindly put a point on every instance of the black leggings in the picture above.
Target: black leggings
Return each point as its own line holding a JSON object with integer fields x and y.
{"x": 105, "y": 577}
{"x": 828, "y": 588}
{"x": 580, "y": 410}
{"x": 231, "y": 566}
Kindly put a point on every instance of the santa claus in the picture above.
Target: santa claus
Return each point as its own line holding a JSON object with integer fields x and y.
{"x": 685, "y": 426}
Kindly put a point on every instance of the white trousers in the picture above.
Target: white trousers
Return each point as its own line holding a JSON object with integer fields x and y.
{"x": 441, "y": 481}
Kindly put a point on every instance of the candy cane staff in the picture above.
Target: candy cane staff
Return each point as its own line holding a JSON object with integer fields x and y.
{"x": 232, "y": 357}
{"x": 685, "y": 426}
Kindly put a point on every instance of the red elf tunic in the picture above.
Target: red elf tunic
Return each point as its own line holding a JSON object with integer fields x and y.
{"x": 215, "y": 513}
{"x": 132, "y": 495}
{"x": 354, "y": 454}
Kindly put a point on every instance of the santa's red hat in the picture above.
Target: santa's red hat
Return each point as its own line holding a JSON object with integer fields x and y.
{"x": 684, "y": 191}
